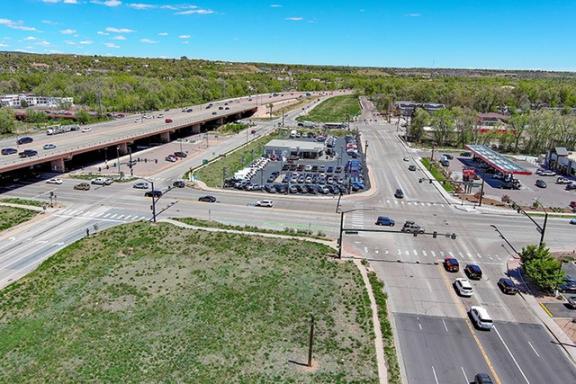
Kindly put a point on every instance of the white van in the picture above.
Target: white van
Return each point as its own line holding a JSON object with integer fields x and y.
{"x": 463, "y": 287}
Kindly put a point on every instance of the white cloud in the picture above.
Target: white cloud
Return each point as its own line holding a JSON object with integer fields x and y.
{"x": 85, "y": 42}
{"x": 119, "y": 37}
{"x": 185, "y": 42}
{"x": 118, "y": 30}
{"x": 44, "y": 43}
{"x": 294, "y": 18}
{"x": 70, "y": 42}
{"x": 163, "y": 34}
{"x": 415, "y": 14}
{"x": 111, "y": 45}
{"x": 16, "y": 25}
{"x": 60, "y": 1}
{"x": 148, "y": 41}
{"x": 30, "y": 38}
{"x": 2, "y": 45}
{"x": 184, "y": 36}
{"x": 141, "y": 6}
{"x": 275, "y": 6}
{"x": 108, "y": 3}
{"x": 101, "y": 33}
{"x": 49, "y": 22}
{"x": 199, "y": 11}
{"x": 68, "y": 31}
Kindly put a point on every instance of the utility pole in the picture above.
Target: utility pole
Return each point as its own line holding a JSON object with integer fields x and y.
{"x": 338, "y": 204}
{"x": 481, "y": 193}
{"x": 118, "y": 158}
{"x": 131, "y": 164}
{"x": 180, "y": 140}
{"x": 340, "y": 237}
{"x": 311, "y": 340}
{"x": 543, "y": 229}
{"x": 223, "y": 176}
{"x": 433, "y": 147}
{"x": 153, "y": 203}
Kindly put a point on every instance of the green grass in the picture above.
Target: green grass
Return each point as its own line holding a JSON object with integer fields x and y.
{"x": 234, "y": 161}
{"x": 250, "y": 228}
{"x": 437, "y": 174}
{"x": 156, "y": 303}
{"x": 335, "y": 109}
{"x": 388, "y": 338}
{"x": 16, "y": 200}
{"x": 9, "y": 217}
{"x": 231, "y": 128}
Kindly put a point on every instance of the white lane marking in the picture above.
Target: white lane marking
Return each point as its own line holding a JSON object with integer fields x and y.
{"x": 450, "y": 253}
{"x": 386, "y": 252}
{"x": 365, "y": 249}
{"x": 461, "y": 254}
{"x": 388, "y": 201}
{"x": 429, "y": 286}
{"x": 106, "y": 215}
{"x": 407, "y": 253}
{"x": 143, "y": 218}
{"x": 399, "y": 252}
{"x": 120, "y": 217}
{"x": 480, "y": 256}
{"x": 420, "y": 326}
{"x": 114, "y": 216}
{"x": 511, "y": 355}
{"x": 376, "y": 251}
{"x": 433, "y": 253}
{"x": 469, "y": 255}
{"x": 435, "y": 377}
{"x": 445, "y": 326}
{"x": 396, "y": 202}
{"x": 415, "y": 252}
{"x": 424, "y": 253}
{"x": 465, "y": 376}
{"x": 490, "y": 257}
{"x": 534, "y": 349}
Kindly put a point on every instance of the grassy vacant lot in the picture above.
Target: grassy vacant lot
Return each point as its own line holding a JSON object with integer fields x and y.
{"x": 438, "y": 175}
{"x": 231, "y": 128}
{"x": 143, "y": 303}
{"x": 17, "y": 200}
{"x": 212, "y": 173}
{"x": 10, "y": 217}
{"x": 249, "y": 228}
{"x": 335, "y": 109}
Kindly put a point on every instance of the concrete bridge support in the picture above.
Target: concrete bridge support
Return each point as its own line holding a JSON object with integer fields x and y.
{"x": 196, "y": 128}
{"x": 123, "y": 148}
{"x": 58, "y": 165}
{"x": 165, "y": 137}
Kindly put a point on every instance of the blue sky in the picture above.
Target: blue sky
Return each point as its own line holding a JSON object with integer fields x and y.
{"x": 506, "y": 34}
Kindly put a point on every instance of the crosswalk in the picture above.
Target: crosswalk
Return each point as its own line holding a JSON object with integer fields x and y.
{"x": 429, "y": 255}
{"x": 101, "y": 213}
{"x": 415, "y": 203}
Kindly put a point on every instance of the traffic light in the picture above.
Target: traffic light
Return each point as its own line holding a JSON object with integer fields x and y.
{"x": 420, "y": 180}
{"x": 453, "y": 236}
{"x": 430, "y": 181}
{"x": 434, "y": 234}
{"x": 415, "y": 234}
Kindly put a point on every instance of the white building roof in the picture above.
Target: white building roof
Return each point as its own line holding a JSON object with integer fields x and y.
{"x": 293, "y": 145}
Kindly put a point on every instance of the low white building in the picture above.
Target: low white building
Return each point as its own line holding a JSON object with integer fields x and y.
{"x": 20, "y": 100}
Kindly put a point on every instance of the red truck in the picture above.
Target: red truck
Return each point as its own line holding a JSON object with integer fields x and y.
{"x": 167, "y": 120}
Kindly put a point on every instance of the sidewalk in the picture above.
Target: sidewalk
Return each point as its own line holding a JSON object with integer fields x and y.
{"x": 513, "y": 267}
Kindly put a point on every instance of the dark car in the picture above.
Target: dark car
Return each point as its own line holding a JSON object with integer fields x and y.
{"x": 179, "y": 184}
{"x": 386, "y": 221}
{"x": 207, "y": 199}
{"x": 451, "y": 264}
{"x": 28, "y": 153}
{"x": 448, "y": 156}
{"x": 412, "y": 167}
{"x": 571, "y": 301}
{"x": 24, "y": 140}
{"x": 180, "y": 154}
{"x": 507, "y": 286}
{"x": 154, "y": 193}
{"x": 569, "y": 285}
{"x": 473, "y": 271}
{"x": 482, "y": 378}
{"x": 541, "y": 183}
{"x": 570, "y": 186}
{"x": 399, "y": 194}
{"x": 9, "y": 151}
{"x": 82, "y": 187}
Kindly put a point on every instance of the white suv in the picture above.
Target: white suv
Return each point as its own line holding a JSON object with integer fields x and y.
{"x": 101, "y": 181}
{"x": 463, "y": 287}
{"x": 264, "y": 203}
{"x": 481, "y": 318}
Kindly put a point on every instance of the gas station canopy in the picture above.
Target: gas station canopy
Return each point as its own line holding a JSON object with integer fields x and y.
{"x": 497, "y": 160}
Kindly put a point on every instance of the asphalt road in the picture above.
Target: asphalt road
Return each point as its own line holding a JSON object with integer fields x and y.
{"x": 419, "y": 289}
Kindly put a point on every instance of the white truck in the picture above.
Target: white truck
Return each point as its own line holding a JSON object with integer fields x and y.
{"x": 57, "y": 129}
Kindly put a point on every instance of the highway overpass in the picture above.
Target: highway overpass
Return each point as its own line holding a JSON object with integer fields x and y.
{"x": 126, "y": 131}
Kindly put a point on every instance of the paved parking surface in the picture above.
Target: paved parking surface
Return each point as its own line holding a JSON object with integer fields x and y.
{"x": 327, "y": 175}
{"x": 555, "y": 195}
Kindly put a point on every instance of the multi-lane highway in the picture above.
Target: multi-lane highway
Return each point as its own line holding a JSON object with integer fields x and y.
{"x": 436, "y": 340}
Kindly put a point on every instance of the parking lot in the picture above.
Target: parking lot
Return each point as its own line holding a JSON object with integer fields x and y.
{"x": 554, "y": 195}
{"x": 339, "y": 170}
